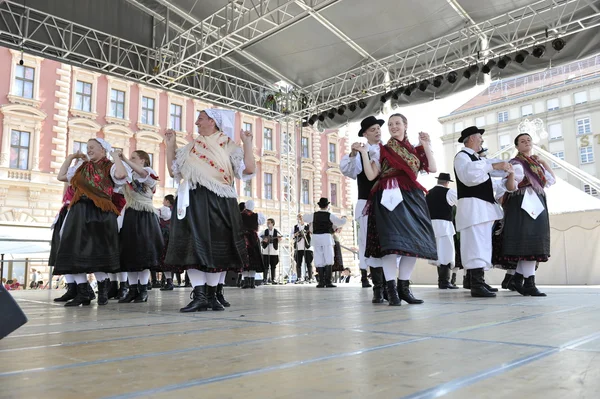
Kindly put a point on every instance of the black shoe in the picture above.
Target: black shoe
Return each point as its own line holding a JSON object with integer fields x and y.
{"x": 364, "y": 279}
{"x": 516, "y": 283}
{"x": 529, "y": 288}
{"x": 168, "y": 285}
{"x": 131, "y": 294}
{"x": 82, "y": 297}
{"x": 155, "y": 284}
{"x": 91, "y": 292}
{"x": 489, "y": 287}
{"x": 328, "y": 276}
{"x": 253, "y": 282}
{"x": 113, "y": 290}
{"x": 444, "y": 278}
{"x": 392, "y": 293}
{"x": 103, "y": 292}
{"x": 211, "y": 298}
{"x": 321, "y": 277}
{"x": 378, "y": 287}
{"x": 405, "y": 294}
{"x": 70, "y": 294}
{"x": 453, "y": 280}
{"x": 142, "y": 295}
{"x": 478, "y": 289}
{"x": 467, "y": 280}
{"x": 199, "y": 301}
{"x": 123, "y": 290}
{"x": 220, "y": 296}
{"x": 149, "y": 286}
{"x": 246, "y": 283}
{"x": 507, "y": 278}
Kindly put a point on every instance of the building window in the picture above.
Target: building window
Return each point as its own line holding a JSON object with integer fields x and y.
{"x": 480, "y": 121}
{"x": 581, "y": 97}
{"x": 24, "y": 81}
{"x": 247, "y": 127}
{"x": 305, "y": 147}
{"x": 502, "y": 116}
{"x": 504, "y": 141}
{"x": 268, "y": 186}
{"x": 83, "y": 96}
{"x": 285, "y": 147}
{"x": 19, "y": 149}
{"x": 151, "y": 159}
{"x": 176, "y": 112}
{"x": 80, "y": 146}
{"x": 286, "y": 188}
{"x": 117, "y": 103}
{"x": 527, "y": 110}
{"x": 584, "y": 126}
{"x": 148, "y": 111}
{"x": 555, "y": 131}
{"x": 458, "y": 126}
{"x": 333, "y": 194}
{"x": 248, "y": 188}
{"x": 305, "y": 191}
{"x": 586, "y": 154}
{"x": 560, "y": 155}
{"x": 552, "y": 104}
{"x": 590, "y": 190}
{"x": 332, "y": 153}
{"x": 268, "y": 139}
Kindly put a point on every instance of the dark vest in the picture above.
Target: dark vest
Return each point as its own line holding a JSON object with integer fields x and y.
{"x": 483, "y": 191}
{"x": 250, "y": 220}
{"x": 438, "y": 205}
{"x": 306, "y": 237}
{"x": 364, "y": 184}
{"x": 271, "y": 239}
{"x": 322, "y": 224}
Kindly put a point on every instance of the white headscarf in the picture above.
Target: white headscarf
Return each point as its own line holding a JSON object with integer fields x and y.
{"x": 107, "y": 147}
{"x": 250, "y": 205}
{"x": 224, "y": 119}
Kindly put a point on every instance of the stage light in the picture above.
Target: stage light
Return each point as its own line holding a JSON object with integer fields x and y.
{"x": 322, "y": 116}
{"x": 305, "y": 124}
{"x": 312, "y": 120}
{"x": 352, "y": 107}
{"x": 407, "y": 91}
{"x": 413, "y": 86}
{"x": 487, "y": 68}
{"x": 341, "y": 110}
{"x": 397, "y": 93}
{"x": 504, "y": 61}
{"x": 362, "y": 104}
{"x": 472, "y": 70}
{"x": 558, "y": 44}
{"x": 520, "y": 56}
{"x": 437, "y": 82}
{"x": 423, "y": 85}
{"x": 452, "y": 77}
{"x": 538, "y": 51}
{"x": 331, "y": 113}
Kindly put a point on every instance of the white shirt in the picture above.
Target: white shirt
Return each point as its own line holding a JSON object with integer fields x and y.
{"x": 321, "y": 240}
{"x": 269, "y": 250}
{"x": 164, "y": 212}
{"x": 441, "y": 227}
{"x": 352, "y": 166}
{"x": 300, "y": 243}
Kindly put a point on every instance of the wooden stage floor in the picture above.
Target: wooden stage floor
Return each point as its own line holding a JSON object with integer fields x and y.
{"x": 303, "y": 342}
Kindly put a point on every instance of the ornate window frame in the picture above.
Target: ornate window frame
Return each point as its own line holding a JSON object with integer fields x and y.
{"x": 81, "y": 129}
{"x": 150, "y": 142}
{"x": 118, "y": 136}
{"x": 24, "y": 118}
{"x": 87, "y": 77}
{"x": 149, "y": 92}
{"x": 118, "y": 84}
{"x": 28, "y": 61}
{"x": 334, "y": 175}
{"x": 181, "y": 101}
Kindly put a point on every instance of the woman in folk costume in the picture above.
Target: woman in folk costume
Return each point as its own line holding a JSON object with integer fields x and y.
{"x": 89, "y": 237}
{"x": 206, "y": 234}
{"x": 338, "y": 260}
{"x": 251, "y": 221}
{"x": 526, "y": 232}
{"x": 140, "y": 237}
{"x": 400, "y": 229}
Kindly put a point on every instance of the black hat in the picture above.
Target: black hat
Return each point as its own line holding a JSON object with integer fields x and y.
{"x": 444, "y": 177}
{"x": 323, "y": 202}
{"x": 471, "y": 130}
{"x": 368, "y": 122}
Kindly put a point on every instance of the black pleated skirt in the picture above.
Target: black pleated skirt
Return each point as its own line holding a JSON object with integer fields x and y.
{"x": 255, "y": 261}
{"x": 141, "y": 241}
{"x": 209, "y": 238}
{"x": 89, "y": 242}
{"x": 62, "y": 214}
{"x": 338, "y": 261}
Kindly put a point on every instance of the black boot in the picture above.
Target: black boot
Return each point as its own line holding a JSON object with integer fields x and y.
{"x": 70, "y": 294}
{"x": 529, "y": 288}
{"x": 142, "y": 295}
{"x": 392, "y": 293}
{"x": 246, "y": 283}
{"x": 82, "y": 297}
{"x": 478, "y": 289}
{"x": 364, "y": 279}
{"x": 444, "y": 278}
{"x": 123, "y": 290}
{"x": 91, "y": 292}
{"x": 453, "y": 280}
{"x": 328, "y": 276}
{"x": 320, "y": 277}
{"x": 516, "y": 283}
{"x": 103, "y": 292}
{"x": 220, "y": 296}
{"x": 148, "y": 286}
{"x": 168, "y": 285}
{"x": 238, "y": 281}
{"x": 467, "y": 280}
{"x": 253, "y": 282}
{"x": 113, "y": 290}
{"x": 211, "y": 298}
{"x": 506, "y": 280}
{"x": 199, "y": 301}
{"x": 131, "y": 293}
{"x": 489, "y": 287}
{"x": 155, "y": 282}
{"x": 378, "y": 279}
{"x": 405, "y": 294}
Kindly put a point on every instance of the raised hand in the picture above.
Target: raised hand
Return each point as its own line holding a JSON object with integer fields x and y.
{"x": 424, "y": 138}
{"x": 246, "y": 136}
{"x": 505, "y": 166}
{"x": 116, "y": 154}
{"x": 170, "y": 137}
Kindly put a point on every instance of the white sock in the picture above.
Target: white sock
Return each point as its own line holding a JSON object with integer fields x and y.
{"x": 252, "y": 274}
{"x": 519, "y": 268}
{"x": 168, "y": 275}
{"x": 197, "y": 278}
{"x": 245, "y": 274}
{"x": 132, "y": 277}
{"x": 511, "y": 272}
{"x": 144, "y": 276}
{"x": 390, "y": 267}
{"x": 122, "y": 277}
{"x": 212, "y": 279}
{"x": 112, "y": 276}
{"x": 69, "y": 278}
{"x": 80, "y": 278}
{"x": 527, "y": 267}
{"x": 100, "y": 276}
{"x": 222, "y": 278}
{"x": 406, "y": 267}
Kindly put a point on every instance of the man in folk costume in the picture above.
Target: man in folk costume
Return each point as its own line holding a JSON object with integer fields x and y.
{"x": 477, "y": 208}
{"x": 270, "y": 239}
{"x": 440, "y": 201}
{"x": 251, "y": 221}
{"x": 302, "y": 249}
{"x": 352, "y": 167}
{"x": 206, "y": 236}
{"x": 324, "y": 224}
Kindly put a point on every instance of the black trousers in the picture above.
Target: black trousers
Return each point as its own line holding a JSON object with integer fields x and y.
{"x": 270, "y": 261}
{"x": 308, "y": 257}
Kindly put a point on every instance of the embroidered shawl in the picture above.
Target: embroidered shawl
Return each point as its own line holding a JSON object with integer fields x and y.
{"x": 93, "y": 180}
{"x": 400, "y": 164}
{"x": 535, "y": 174}
{"x": 139, "y": 193}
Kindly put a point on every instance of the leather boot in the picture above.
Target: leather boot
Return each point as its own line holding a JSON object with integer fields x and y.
{"x": 320, "y": 277}
{"x": 220, "y": 296}
{"x": 103, "y": 292}
{"x": 142, "y": 295}
{"x": 516, "y": 283}
{"x": 91, "y": 292}
{"x": 507, "y": 278}
{"x": 238, "y": 281}
{"x": 131, "y": 294}
{"x": 328, "y": 276}
{"x": 444, "y": 278}
{"x": 70, "y": 294}
{"x": 364, "y": 279}
{"x": 246, "y": 283}
{"x": 253, "y": 282}
{"x": 82, "y": 297}
{"x": 489, "y": 287}
{"x": 168, "y": 285}
{"x": 377, "y": 278}
{"x": 199, "y": 301}
{"x": 529, "y": 288}
{"x": 478, "y": 289}
{"x": 148, "y": 286}
{"x": 405, "y": 294}
{"x": 123, "y": 290}
{"x": 211, "y": 298}
{"x": 453, "y": 280}
{"x": 467, "y": 280}
{"x": 113, "y": 290}
{"x": 155, "y": 282}
{"x": 392, "y": 293}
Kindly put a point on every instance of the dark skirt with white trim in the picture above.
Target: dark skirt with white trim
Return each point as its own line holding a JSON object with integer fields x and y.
{"x": 141, "y": 241}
